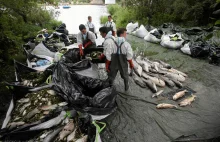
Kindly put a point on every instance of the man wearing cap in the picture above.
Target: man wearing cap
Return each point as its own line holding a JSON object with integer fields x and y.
{"x": 111, "y": 25}
{"x": 85, "y": 39}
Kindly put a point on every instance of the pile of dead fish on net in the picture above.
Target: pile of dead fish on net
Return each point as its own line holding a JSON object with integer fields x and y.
{"x": 55, "y": 102}
{"x": 153, "y": 74}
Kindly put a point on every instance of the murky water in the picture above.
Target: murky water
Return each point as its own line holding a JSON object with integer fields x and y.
{"x": 78, "y": 14}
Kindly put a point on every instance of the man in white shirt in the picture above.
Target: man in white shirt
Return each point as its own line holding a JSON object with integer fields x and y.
{"x": 85, "y": 39}
{"x": 118, "y": 53}
{"x": 90, "y": 26}
{"x": 111, "y": 25}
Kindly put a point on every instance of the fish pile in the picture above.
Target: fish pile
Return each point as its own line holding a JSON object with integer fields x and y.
{"x": 34, "y": 106}
{"x": 33, "y": 79}
{"x": 37, "y": 105}
{"x": 178, "y": 96}
{"x": 155, "y": 74}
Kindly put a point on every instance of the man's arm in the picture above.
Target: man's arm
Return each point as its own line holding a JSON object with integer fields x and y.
{"x": 114, "y": 26}
{"x": 107, "y": 50}
{"x": 129, "y": 52}
{"x": 79, "y": 38}
{"x": 92, "y": 37}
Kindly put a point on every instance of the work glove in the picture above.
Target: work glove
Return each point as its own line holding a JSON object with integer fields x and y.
{"x": 80, "y": 50}
{"x": 101, "y": 57}
{"x": 87, "y": 44}
{"x": 107, "y": 64}
{"x": 131, "y": 64}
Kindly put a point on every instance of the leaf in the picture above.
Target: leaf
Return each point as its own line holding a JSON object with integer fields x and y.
{"x": 217, "y": 22}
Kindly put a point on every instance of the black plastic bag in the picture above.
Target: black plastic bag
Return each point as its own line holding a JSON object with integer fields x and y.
{"x": 214, "y": 56}
{"x": 83, "y": 93}
{"x": 71, "y": 56}
{"x": 199, "y": 49}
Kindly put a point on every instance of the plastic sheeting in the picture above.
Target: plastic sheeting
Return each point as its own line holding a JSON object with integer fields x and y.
{"x": 141, "y": 32}
{"x": 131, "y": 27}
{"x": 41, "y": 49}
{"x": 167, "y": 42}
{"x": 153, "y": 36}
{"x": 138, "y": 120}
{"x": 82, "y": 92}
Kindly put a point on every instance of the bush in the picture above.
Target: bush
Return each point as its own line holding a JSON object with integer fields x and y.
{"x": 112, "y": 9}
{"x": 103, "y": 19}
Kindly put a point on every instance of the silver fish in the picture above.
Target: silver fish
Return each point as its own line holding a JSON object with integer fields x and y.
{"x": 83, "y": 139}
{"x": 49, "y": 107}
{"x": 179, "y": 94}
{"x": 145, "y": 66}
{"x": 137, "y": 68}
{"x": 63, "y": 104}
{"x": 164, "y": 106}
{"x": 24, "y": 107}
{"x": 177, "y": 72}
{"x": 15, "y": 124}
{"x": 52, "y": 136}
{"x": 169, "y": 82}
{"x": 50, "y": 123}
{"x": 150, "y": 84}
{"x": 66, "y": 130}
{"x": 72, "y": 136}
{"x": 51, "y": 92}
{"x": 138, "y": 81}
{"x": 45, "y": 134}
{"x": 178, "y": 84}
{"x": 32, "y": 113}
{"x": 165, "y": 65}
{"x": 156, "y": 80}
{"x": 24, "y": 100}
{"x": 177, "y": 77}
{"x": 139, "y": 60}
{"x": 157, "y": 94}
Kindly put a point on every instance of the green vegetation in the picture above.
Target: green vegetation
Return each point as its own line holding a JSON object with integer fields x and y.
{"x": 103, "y": 19}
{"x": 20, "y": 20}
{"x": 182, "y": 12}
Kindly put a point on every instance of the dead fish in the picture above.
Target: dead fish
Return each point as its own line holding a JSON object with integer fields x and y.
{"x": 83, "y": 139}
{"x": 177, "y": 77}
{"x": 24, "y": 100}
{"x": 179, "y": 94}
{"x": 150, "y": 84}
{"x": 156, "y": 80}
{"x": 187, "y": 101}
{"x": 46, "y": 112}
{"x": 178, "y": 84}
{"x": 51, "y": 92}
{"x": 63, "y": 104}
{"x": 32, "y": 113}
{"x": 66, "y": 130}
{"x": 145, "y": 67}
{"x": 51, "y": 107}
{"x": 155, "y": 66}
{"x": 72, "y": 136}
{"x": 52, "y": 136}
{"x": 138, "y": 81}
{"x": 45, "y": 134}
{"x": 24, "y": 112}
{"x": 165, "y": 65}
{"x": 15, "y": 124}
{"x": 164, "y": 106}
{"x": 24, "y": 107}
{"x": 157, "y": 94}
{"x": 137, "y": 68}
{"x": 169, "y": 82}
{"x": 177, "y": 72}
{"x": 50, "y": 123}
{"x": 139, "y": 60}
{"x": 152, "y": 70}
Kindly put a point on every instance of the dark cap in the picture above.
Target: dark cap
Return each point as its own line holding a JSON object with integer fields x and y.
{"x": 81, "y": 27}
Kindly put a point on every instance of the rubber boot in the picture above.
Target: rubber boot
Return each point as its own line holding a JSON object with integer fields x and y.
{"x": 126, "y": 85}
